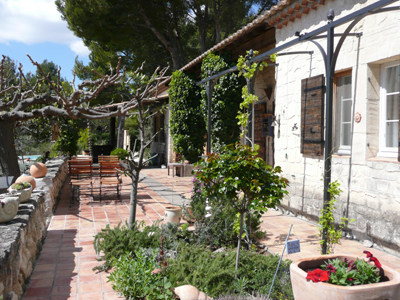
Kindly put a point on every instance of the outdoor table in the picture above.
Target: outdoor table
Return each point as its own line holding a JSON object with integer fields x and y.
{"x": 176, "y": 166}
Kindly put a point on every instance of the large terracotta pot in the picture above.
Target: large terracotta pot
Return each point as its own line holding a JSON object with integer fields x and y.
{"x": 38, "y": 170}
{"x": 173, "y": 214}
{"x": 306, "y": 290}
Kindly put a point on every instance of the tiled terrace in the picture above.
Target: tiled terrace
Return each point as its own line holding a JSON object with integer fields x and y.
{"x": 64, "y": 268}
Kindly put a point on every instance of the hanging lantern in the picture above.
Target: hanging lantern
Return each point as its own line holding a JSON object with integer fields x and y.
{"x": 208, "y": 209}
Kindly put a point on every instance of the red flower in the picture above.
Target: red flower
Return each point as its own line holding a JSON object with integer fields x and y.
{"x": 369, "y": 254}
{"x": 318, "y": 275}
{"x": 350, "y": 279}
{"x": 376, "y": 261}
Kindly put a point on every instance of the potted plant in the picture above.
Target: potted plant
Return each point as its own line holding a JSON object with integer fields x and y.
{"x": 23, "y": 189}
{"x": 8, "y": 207}
{"x": 345, "y": 277}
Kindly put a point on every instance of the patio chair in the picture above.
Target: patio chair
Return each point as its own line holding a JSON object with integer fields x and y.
{"x": 81, "y": 175}
{"x": 87, "y": 157}
{"x": 105, "y": 158}
{"x": 110, "y": 174}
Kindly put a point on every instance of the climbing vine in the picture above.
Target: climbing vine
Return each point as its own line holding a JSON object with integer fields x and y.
{"x": 226, "y": 100}
{"x": 247, "y": 71}
{"x": 187, "y": 122}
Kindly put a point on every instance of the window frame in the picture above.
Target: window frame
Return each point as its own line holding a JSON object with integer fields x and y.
{"x": 385, "y": 151}
{"x": 341, "y": 150}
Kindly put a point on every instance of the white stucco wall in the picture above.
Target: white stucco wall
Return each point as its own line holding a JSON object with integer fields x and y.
{"x": 374, "y": 194}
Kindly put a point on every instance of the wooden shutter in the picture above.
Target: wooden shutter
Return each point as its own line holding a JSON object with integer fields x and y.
{"x": 398, "y": 152}
{"x": 312, "y": 115}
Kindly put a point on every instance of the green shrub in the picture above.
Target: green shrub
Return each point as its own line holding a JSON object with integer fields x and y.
{"x": 132, "y": 277}
{"x": 226, "y": 99}
{"x": 122, "y": 153}
{"x": 214, "y": 273}
{"x": 114, "y": 242}
{"x": 187, "y": 123}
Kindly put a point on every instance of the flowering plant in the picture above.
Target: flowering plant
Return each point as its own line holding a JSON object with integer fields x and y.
{"x": 347, "y": 272}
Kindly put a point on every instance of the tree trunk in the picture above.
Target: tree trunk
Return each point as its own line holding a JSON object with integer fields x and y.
{"x": 8, "y": 153}
{"x": 133, "y": 199}
{"x": 239, "y": 242}
{"x": 217, "y": 15}
{"x": 121, "y": 128}
{"x": 112, "y": 132}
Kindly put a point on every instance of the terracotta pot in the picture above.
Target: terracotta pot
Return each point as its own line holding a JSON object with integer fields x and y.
{"x": 28, "y": 179}
{"x": 305, "y": 290}
{"x": 38, "y": 170}
{"x": 173, "y": 214}
{"x": 8, "y": 207}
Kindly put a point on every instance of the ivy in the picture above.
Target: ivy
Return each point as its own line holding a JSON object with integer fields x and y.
{"x": 327, "y": 220}
{"x": 225, "y": 101}
{"x": 247, "y": 71}
{"x": 187, "y": 123}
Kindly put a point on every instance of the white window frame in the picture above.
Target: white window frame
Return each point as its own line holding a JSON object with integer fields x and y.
{"x": 383, "y": 150}
{"x": 342, "y": 149}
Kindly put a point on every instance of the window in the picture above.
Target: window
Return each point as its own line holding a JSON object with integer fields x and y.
{"x": 343, "y": 113}
{"x": 389, "y": 110}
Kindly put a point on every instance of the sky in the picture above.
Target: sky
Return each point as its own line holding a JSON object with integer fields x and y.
{"x": 35, "y": 27}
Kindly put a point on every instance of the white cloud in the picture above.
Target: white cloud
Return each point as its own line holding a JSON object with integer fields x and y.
{"x": 79, "y": 48}
{"x": 36, "y": 21}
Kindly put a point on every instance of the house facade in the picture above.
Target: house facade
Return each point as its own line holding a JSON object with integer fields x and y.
{"x": 365, "y": 112}
{"x": 365, "y": 120}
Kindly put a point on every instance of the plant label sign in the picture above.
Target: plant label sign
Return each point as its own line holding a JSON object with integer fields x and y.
{"x": 293, "y": 246}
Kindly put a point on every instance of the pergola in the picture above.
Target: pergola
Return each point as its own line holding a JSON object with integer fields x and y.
{"x": 330, "y": 57}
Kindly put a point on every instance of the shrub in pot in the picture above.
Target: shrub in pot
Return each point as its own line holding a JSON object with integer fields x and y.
{"x": 23, "y": 189}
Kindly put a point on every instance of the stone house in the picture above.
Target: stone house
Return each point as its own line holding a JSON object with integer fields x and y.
{"x": 365, "y": 111}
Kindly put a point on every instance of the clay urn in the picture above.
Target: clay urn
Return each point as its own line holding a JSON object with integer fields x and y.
{"x": 38, "y": 170}
{"x": 187, "y": 292}
{"x": 28, "y": 179}
{"x": 202, "y": 296}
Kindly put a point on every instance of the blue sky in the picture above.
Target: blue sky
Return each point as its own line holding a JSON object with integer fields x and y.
{"x": 35, "y": 27}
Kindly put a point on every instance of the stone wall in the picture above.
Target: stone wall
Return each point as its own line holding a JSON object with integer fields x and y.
{"x": 21, "y": 241}
{"x": 22, "y": 238}
{"x": 369, "y": 180}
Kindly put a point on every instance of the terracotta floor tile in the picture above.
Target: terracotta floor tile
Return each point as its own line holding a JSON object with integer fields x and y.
{"x": 41, "y": 282}
{"x": 89, "y": 287}
{"x": 65, "y": 297}
{"x": 39, "y": 292}
{"x": 89, "y": 278}
{"x": 64, "y": 290}
{"x": 112, "y": 296}
{"x": 43, "y": 275}
{"x": 65, "y": 281}
{"x": 43, "y": 268}
{"x": 91, "y": 296}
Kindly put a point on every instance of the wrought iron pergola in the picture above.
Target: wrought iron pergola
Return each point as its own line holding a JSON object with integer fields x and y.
{"x": 330, "y": 57}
